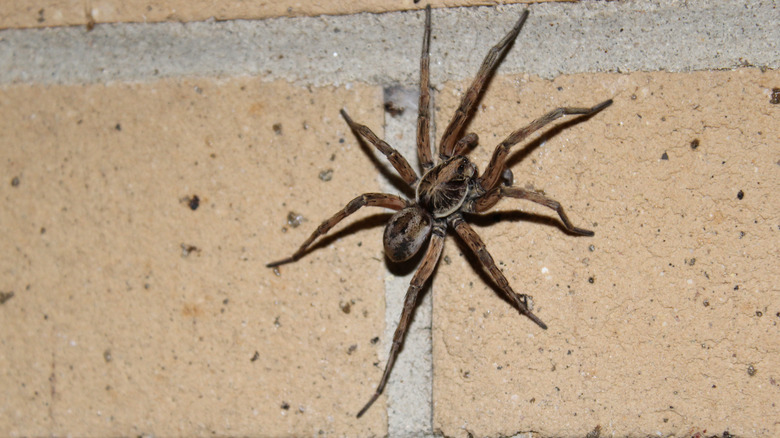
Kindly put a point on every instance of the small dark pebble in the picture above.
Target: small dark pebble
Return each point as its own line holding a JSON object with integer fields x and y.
{"x": 294, "y": 219}
{"x": 740, "y": 194}
{"x": 664, "y": 156}
{"x": 326, "y": 175}
{"x": 15, "y": 181}
{"x": 775, "y": 99}
{"x": 194, "y": 202}
{"x": 392, "y": 109}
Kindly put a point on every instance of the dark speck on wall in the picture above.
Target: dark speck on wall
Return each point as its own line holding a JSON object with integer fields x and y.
{"x": 694, "y": 143}
{"x": 187, "y": 249}
{"x": 193, "y": 202}
{"x": 775, "y": 99}
{"x": 740, "y": 195}
{"x": 664, "y": 156}
{"x": 295, "y": 219}
{"x": 5, "y": 296}
{"x": 392, "y": 109}
{"x": 15, "y": 181}
{"x": 118, "y": 127}
{"x": 326, "y": 175}
{"x": 277, "y": 128}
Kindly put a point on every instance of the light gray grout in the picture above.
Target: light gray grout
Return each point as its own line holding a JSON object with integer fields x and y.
{"x": 657, "y": 35}
{"x": 409, "y": 390}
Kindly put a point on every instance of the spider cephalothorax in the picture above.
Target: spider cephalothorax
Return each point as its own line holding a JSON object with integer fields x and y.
{"x": 440, "y": 192}
{"x": 446, "y": 190}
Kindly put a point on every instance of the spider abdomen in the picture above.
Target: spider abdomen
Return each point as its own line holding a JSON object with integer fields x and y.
{"x": 406, "y": 232}
{"x": 443, "y": 189}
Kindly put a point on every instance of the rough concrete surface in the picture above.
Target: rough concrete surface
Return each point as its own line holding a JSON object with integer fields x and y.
{"x": 129, "y": 308}
{"x": 48, "y": 13}
{"x": 384, "y": 49}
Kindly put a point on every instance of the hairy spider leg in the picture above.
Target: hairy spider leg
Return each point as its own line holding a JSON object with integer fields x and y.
{"x": 467, "y": 142}
{"x": 385, "y": 200}
{"x": 490, "y": 199}
{"x": 396, "y": 159}
{"x": 469, "y": 100}
{"x": 424, "y": 104}
{"x": 415, "y": 286}
{"x": 495, "y": 168}
{"x": 477, "y": 246}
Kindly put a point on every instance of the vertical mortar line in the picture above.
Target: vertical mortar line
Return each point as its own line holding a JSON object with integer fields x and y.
{"x": 409, "y": 408}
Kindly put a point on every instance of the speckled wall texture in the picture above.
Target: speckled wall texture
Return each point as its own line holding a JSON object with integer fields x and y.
{"x": 137, "y": 218}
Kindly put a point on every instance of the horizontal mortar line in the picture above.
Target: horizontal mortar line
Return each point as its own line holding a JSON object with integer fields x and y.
{"x": 558, "y": 38}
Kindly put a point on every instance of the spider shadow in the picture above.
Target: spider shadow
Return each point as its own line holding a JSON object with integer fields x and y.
{"x": 384, "y": 169}
{"x": 486, "y": 85}
{"x": 545, "y": 136}
{"x": 490, "y": 218}
{"x": 487, "y": 219}
{"x": 364, "y": 223}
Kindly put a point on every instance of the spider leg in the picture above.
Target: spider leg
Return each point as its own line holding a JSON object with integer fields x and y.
{"x": 424, "y": 106}
{"x": 415, "y": 286}
{"x": 493, "y": 171}
{"x": 367, "y": 199}
{"x": 467, "y": 142}
{"x": 469, "y": 99}
{"x": 396, "y": 159}
{"x": 477, "y": 246}
{"x": 492, "y": 197}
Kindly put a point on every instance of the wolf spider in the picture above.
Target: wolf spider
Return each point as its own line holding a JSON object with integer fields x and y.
{"x": 448, "y": 188}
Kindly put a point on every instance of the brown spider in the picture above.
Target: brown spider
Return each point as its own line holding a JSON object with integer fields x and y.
{"x": 446, "y": 190}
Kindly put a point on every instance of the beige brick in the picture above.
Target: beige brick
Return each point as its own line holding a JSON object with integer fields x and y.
{"x": 656, "y": 327}
{"x": 112, "y": 330}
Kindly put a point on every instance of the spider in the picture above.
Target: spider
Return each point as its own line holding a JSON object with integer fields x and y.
{"x": 449, "y": 187}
